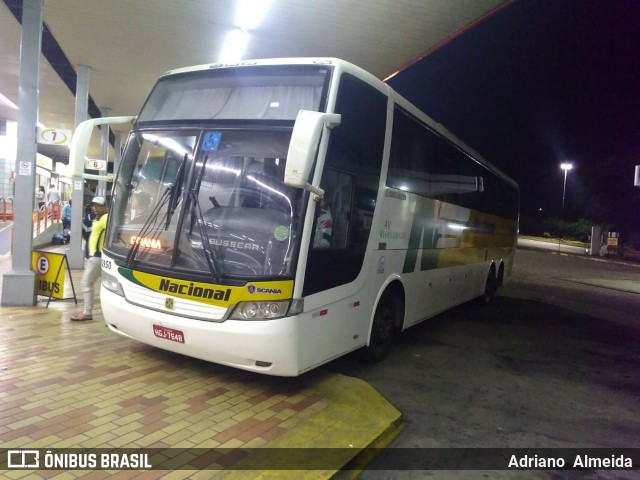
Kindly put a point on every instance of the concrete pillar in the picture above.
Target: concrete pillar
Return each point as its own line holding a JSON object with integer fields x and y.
{"x": 75, "y": 253}
{"x": 18, "y": 285}
{"x": 104, "y": 153}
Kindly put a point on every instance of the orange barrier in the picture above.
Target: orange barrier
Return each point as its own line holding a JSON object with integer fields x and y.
{"x": 6, "y": 209}
{"x": 47, "y": 214}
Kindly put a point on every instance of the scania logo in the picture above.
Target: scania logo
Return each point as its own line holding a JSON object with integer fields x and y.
{"x": 253, "y": 289}
{"x": 168, "y": 303}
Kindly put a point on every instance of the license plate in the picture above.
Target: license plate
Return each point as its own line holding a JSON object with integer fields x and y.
{"x": 168, "y": 333}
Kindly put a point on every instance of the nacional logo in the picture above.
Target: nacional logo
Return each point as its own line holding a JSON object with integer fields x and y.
{"x": 193, "y": 290}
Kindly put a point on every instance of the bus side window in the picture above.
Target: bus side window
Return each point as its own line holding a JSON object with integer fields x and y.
{"x": 333, "y": 215}
{"x": 350, "y": 180}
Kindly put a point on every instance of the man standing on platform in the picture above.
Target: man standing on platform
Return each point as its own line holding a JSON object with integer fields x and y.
{"x": 53, "y": 195}
{"x": 92, "y": 265}
{"x": 66, "y": 216}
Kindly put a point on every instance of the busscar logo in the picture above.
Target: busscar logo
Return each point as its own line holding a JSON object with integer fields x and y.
{"x": 23, "y": 459}
{"x": 168, "y": 303}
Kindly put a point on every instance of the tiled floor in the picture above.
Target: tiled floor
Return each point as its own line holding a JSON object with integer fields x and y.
{"x": 65, "y": 384}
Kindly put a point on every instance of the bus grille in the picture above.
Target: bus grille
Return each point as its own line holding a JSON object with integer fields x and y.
{"x": 143, "y": 297}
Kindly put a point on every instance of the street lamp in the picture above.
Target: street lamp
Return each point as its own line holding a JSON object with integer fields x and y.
{"x": 566, "y": 167}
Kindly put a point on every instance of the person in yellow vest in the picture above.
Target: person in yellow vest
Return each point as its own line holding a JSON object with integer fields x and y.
{"x": 92, "y": 265}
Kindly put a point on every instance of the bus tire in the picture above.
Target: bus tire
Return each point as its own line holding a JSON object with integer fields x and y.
{"x": 382, "y": 330}
{"x": 490, "y": 287}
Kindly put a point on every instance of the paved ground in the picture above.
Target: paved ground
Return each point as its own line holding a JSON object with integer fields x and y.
{"x": 5, "y": 237}
{"x": 554, "y": 363}
{"x": 76, "y": 385}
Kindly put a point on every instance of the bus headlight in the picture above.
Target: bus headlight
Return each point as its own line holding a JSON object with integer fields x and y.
{"x": 260, "y": 310}
{"x": 112, "y": 284}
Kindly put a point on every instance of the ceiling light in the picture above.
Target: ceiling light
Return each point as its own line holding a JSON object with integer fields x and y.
{"x": 250, "y": 13}
{"x": 8, "y": 102}
{"x": 234, "y": 46}
{"x": 249, "y": 16}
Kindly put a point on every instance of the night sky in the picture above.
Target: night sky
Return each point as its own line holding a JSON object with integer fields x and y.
{"x": 543, "y": 82}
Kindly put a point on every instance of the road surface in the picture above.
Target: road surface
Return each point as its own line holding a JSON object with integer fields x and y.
{"x": 554, "y": 363}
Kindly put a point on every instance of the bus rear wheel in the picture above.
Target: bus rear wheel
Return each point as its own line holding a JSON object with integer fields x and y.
{"x": 490, "y": 288}
{"x": 382, "y": 330}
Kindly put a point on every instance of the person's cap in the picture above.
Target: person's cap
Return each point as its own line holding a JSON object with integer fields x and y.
{"x": 98, "y": 201}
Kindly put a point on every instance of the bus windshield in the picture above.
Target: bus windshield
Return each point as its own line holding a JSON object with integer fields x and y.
{"x": 210, "y": 202}
{"x": 242, "y": 93}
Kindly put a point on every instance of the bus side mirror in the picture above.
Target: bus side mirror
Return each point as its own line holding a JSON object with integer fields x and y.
{"x": 82, "y": 137}
{"x": 304, "y": 146}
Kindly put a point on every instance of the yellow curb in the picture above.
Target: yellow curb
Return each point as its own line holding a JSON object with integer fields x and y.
{"x": 356, "y": 421}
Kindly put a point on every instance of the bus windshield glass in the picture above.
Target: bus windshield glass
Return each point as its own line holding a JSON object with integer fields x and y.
{"x": 209, "y": 202}
{"x": 241, "y": 93}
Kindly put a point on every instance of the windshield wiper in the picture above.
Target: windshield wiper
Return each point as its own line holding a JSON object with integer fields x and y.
{"x": 146, "y": 228}
{"x": 209, "y": 253}
{"x": 215, "y": 269}
{"x": 176, "y": 190}
{"x": 170, "y": 196}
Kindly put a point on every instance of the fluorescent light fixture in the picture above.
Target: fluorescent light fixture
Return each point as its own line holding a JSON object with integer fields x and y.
{"x": 249, "y": 15}
{"x": 234, "y": 46}
{"x": 391, "y": 76}
{"x": 8, "y": 102}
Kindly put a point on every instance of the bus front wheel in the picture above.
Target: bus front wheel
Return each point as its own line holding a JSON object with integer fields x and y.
{"x": 382, "y": 330}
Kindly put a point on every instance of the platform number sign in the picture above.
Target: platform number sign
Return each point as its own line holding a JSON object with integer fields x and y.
{"x": 96, "y": 165}
{"x": 54, "y": 136}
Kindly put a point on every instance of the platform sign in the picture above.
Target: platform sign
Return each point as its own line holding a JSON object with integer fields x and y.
{"x": 49, "y": 268}
{"x": 54, "y": 136}
{"x": 95, "y": 165}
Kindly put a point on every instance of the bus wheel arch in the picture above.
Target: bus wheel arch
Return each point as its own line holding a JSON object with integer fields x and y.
{"x": 387, "y": 322}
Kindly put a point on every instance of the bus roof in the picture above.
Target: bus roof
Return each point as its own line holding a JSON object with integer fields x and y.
{"x": 344, "y": 66}
{"x": 329, "y": 61}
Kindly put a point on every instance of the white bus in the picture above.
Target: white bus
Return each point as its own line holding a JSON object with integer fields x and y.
{"x": 273, "y": 215}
